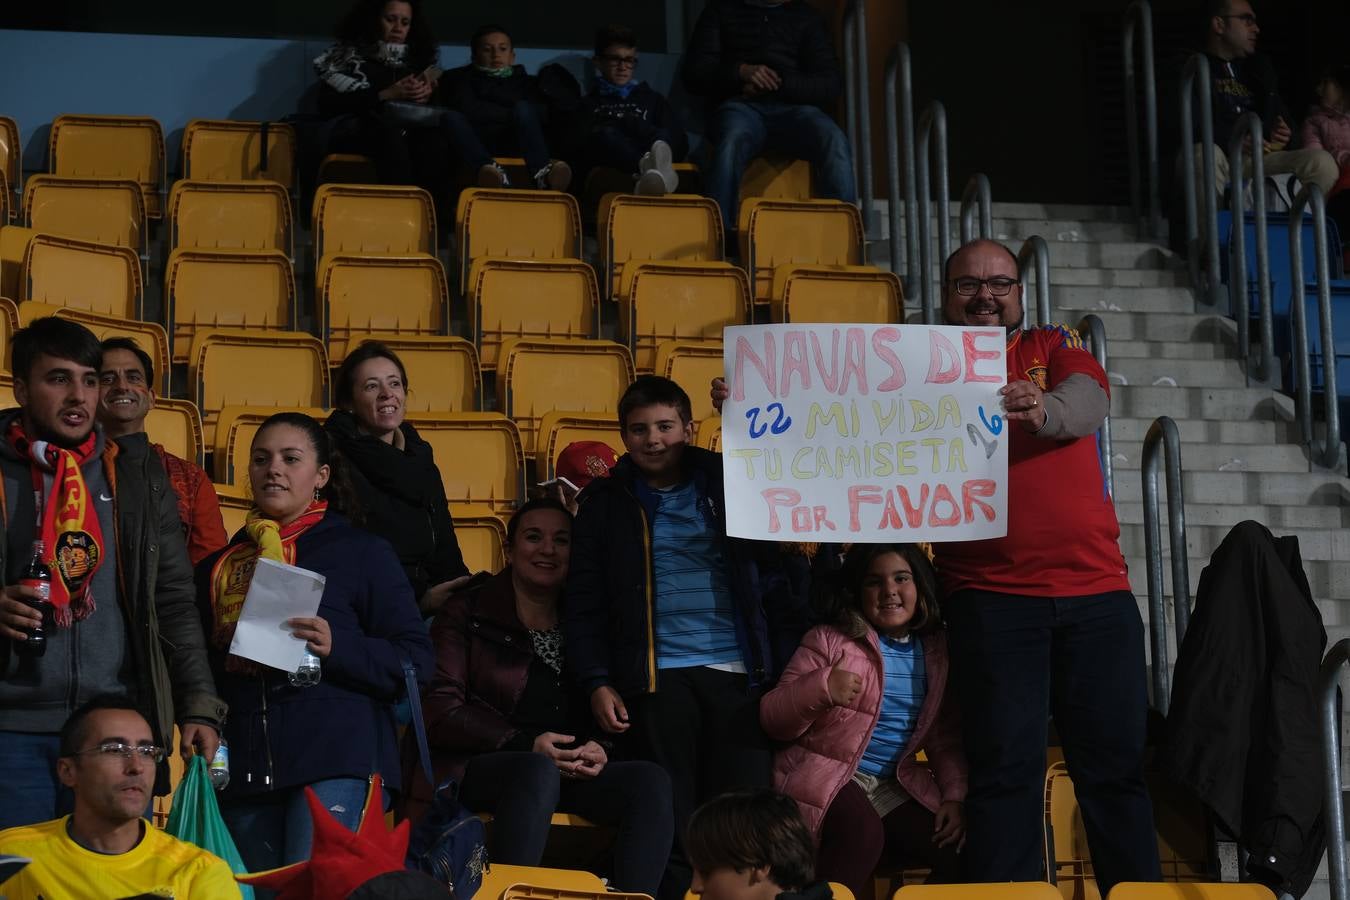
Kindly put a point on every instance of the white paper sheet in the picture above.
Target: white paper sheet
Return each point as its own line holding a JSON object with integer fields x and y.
{"x": 278, "y": 592}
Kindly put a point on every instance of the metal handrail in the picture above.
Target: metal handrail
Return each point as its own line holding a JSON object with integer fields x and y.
{"x": 1195, "y": 80}
{"x": 1248, "y": 136}
{"x": 1091, "y": 330}
{"x": 1164, "y": 432}
{"x": 1035, "y": 252}
{"x": 900, "y": 143}
{"x": 931, "y": 151}
{"x": 1139, "y": 16}
{"x": 1330, "y": 682}
{"x": 858, "y": 102}
{"x": 977, "y": 197}
{"x": 1330, "y": 451}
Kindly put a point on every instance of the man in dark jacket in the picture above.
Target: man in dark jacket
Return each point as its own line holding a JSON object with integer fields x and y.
{"x": 771, "y": 69}
{"x": 626, "y": 124}
{"x": 494, "y": 109}
{"x": 122, "y": 611}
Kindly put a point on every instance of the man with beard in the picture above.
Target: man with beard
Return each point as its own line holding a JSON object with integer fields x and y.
{"x": 128, "y": 619}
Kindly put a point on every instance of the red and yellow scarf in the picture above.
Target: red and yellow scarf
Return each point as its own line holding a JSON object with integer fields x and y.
{"x": 233, "y": 571}
{"x": 67, "y": 521}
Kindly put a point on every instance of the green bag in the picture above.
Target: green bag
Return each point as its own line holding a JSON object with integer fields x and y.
{"x": 195, "y": 818}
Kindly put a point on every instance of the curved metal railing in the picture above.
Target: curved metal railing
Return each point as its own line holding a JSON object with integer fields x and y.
{"x": 899, "y": 102}
{"x": 1195, "y": 82}
{"x": 1163, "y": 434}
{"x": 1139, "y": 19}
{"x": 1091, "y": 330}
{"x": 1330, "y": 683}
{"x": 1035, "y": 256}
{"x": 858, "y": 99}
{"x": 1245, "y": 142}
{"x": 1329, "y": 452}
{"x": 931, "y": 153}
{"x": 977, "y": 198}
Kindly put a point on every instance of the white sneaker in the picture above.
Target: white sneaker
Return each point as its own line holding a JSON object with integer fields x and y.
{"x": 661, "y": 159}
{"x": 650, "y": 184}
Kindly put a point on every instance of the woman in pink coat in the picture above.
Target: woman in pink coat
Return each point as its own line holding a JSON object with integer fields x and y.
{"x": 858, "y": 700}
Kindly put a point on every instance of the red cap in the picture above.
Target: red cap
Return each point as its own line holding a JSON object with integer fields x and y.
{"x": 583, "y": 461}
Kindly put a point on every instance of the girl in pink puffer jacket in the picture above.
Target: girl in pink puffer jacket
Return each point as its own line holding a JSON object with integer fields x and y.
{"x": 859, "y": 699}
{"x": 1327, "y": 126}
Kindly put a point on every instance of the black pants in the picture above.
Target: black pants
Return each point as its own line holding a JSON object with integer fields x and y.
{"x": 1015, "y": 659}
{"x": 523, "y": 790}
{"x": 702, "y": 726}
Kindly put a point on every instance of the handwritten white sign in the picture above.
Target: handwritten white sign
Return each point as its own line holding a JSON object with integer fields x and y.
{"x": 865, "y": 433}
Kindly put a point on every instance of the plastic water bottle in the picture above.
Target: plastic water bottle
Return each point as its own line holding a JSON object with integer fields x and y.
{"x": 219, "y": 769}
{"x": 309, "y": 672}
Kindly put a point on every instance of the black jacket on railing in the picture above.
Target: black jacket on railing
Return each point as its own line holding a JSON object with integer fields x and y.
{"x": 1242, "y": 731}
{"x": 793, "y": 39}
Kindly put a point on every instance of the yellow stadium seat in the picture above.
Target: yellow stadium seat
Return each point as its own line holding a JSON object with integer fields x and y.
{"x": 91, "y": 209}
{"x": 13, "y": 246}
{"x": 516, "y": 224}
{"x": 676, "y": 226}
{"x": 535, "y": 377}
{"x": 235, "y": 428}
{"x": 684, "y": 301}
{"x": 237, "y": 289}
{"x": 835, "y": 294}
{"x": 481, "y": 536}
{"x": 226, "y": 150}
{"x": 347, "y": 168}
{"x": 256, "y": 368}
{"x": 530, "y": 298}
{"x": 692, "y": 365}
{"x": 1133, "y": 890}
{"x": 9, "y": 323}
{"x": 813, "y": 232}
{"x": 240, "y": 215}
{"x": 11, "y": 159}
{"x": 178, "y": 426}
{"x": 500, "y": 876}
{"x": 6, "y": 204}
{"x": 776, "y": 178}
{"x": 373, "y": 220}
{"x": 558, "y": 429}
{"x": 150, "y": 336}
{"x": 708, "y": 434}
{"x": 7, "y": 400}
{"x": 235, "y": 503}
{"x": 1013, "y": 890}
{"x": 82, "y": 275}
{"x": 121, "y": 147}
{"x": 380, "y": 295}
{"x": 479, "y": 455}
{"x": 561, "y": 892}
{"x": 442, "y": 371}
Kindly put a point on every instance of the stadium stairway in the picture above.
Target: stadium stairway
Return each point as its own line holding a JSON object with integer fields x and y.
{"x": 1241, "y": 452}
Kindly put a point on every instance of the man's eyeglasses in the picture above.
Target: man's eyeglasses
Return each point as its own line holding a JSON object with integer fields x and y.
{"x": 999, "y": 287}
{"x": 1245, "y": 18}
{"x": 148, "y": 752}
{"x": 623, "y": 62}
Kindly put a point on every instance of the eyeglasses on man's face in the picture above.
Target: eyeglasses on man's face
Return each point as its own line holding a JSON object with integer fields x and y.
{"x": 110, "y": 749}
{"x": 999, "y": 287}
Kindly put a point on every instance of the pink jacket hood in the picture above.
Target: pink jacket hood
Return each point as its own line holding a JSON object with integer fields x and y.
{"x": 827, "y": 741}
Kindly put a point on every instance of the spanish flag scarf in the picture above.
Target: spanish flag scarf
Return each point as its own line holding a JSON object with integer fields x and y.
{"x": 67, "y": 522}
{"x": 233, "y": 571}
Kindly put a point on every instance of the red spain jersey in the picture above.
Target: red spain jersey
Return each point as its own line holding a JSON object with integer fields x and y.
{"x": 1063, "y": 536}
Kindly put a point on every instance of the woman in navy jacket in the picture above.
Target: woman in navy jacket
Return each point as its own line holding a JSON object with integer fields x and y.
{"x": 332, "y": 735}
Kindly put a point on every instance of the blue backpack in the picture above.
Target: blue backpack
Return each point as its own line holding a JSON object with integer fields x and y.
{"x": 449, "y": 843}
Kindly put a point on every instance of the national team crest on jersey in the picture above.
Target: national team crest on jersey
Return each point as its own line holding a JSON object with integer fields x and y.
{"x": 1038, "y": 374}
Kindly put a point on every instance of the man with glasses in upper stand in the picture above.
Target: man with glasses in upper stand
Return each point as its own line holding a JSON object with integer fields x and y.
{"x": 1043, "y": 620}
{"x": 105, "y": 849}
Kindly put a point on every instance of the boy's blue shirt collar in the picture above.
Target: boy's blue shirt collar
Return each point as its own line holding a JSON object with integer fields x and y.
{"x": 606, "y": 88}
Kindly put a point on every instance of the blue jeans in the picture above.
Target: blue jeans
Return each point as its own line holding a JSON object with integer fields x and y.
{"x": 746, "y": 130}
{"x": 276, "y": 829}
{"x": 1016, "y": 659}
{"x": 29, "y": 790}
{"x": 475, "y": 144}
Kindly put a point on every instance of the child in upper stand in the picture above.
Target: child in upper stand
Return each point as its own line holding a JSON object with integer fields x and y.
{"x": 671, "y": 627}
{"x": 859, "y": 699}
{"x": 624, "y": 123}
{"x": 1328, "y": 127}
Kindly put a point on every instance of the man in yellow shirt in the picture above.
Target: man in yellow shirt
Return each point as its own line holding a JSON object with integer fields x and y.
{"x": 105, "y": 849}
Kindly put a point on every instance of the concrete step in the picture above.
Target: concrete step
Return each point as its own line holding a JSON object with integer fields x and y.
{"x": 1016, "y": 230}
{"x": 1245, "y": 488}
{"x": 1199, "y": 402}
{"x": 1113, "y": 255}
{"x": 1129, "y": 432}
{"x": 1326, "y": 578}
{"x": 1165, "y": 326}
{"x": 1223, "y": 458}
{"x": 1168, "y": 350}
{"x": 1117, "y": 278}
{"x": 1099, "y": 299}
{"x": 1324, "y": 544}
{"x": 1004, "y": 210}
{"x": 1130, "y": 511}
{"x": 1174, "y": 372}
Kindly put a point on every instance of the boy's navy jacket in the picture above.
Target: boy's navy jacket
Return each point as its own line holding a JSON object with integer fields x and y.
{"x": 607, "y": 611}
{"x": 644, "y": 115}
{"x": 343, "y": 727}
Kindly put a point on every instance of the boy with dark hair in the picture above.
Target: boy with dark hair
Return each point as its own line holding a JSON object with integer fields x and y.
{"x": 626, "y": 124}
{"x": 752, "y": 845}
{"x": 668, "y": 623}
{"x": 495, "y": 109}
